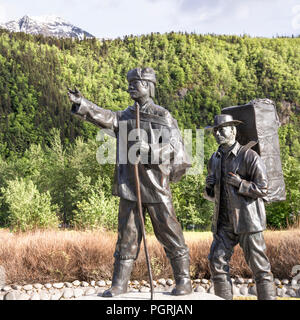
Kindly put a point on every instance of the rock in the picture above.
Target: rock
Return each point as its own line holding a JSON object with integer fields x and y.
{"x": 84, "y": 284}
{"x": 44, "y": 296}
{"x": 235, "y": 290}
{"x": 249, "y": 281}
{"x": 211, "y": 290}
{"x": 90, "y": 292}
{"x": 48, "y": 285}
{"x": 28, "y": 287}
{"x": 200, "y": 289}
{"x": 76, "y": 283}
{"x": 135, "y": 283}
{"x": 197, "y": 281}
{"x": 93, "y": 283}
{"x": 252, "y": 290}
{"x": 68, "y": 293}
{"x": 52, "y": 290}
{"x": 162, "y": 282}
{"x": 101, "y": 283}
{"x": 68, "y": 285}
{"x": 239, "y": 280}
{"x": 285, "y": 281}
{"x": 24, "y": 296}
{"x": 280, "y": 292}
{"x": 38, "y": 286}
{"x": 204, "y": 281}
{"x": 205, "y": 286}
{"x": 59, "y": 285}
{"x": 2, "y": 277}
{"x": 170, "y": 282}
{"x": 143, "y": 282}
{"x": 154, "y": 283}
{"x": 108, "y": 283}
{"x": 144, "y": 289}
{"x": 244, "y": 290}
{"x": 78, "y": 292}
{"x": 16, "y": 287}
{"x": 11, "y": 296}
{"x": 56, "y": 296}
{"x": 6, "y": 288}
{"x": 277, "y": 282}
{"x": 291, "y": 293}
{"x": 35, "y": 296}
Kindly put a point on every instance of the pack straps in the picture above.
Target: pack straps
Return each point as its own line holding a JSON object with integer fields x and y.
{"x": 245, "y": 148}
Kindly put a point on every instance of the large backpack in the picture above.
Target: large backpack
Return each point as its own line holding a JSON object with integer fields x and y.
{"x": 260, "y": 124}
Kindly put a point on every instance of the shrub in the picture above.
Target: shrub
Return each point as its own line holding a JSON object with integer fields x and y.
{"x": 97, "y": 211}
{"x": 26, "y": 207}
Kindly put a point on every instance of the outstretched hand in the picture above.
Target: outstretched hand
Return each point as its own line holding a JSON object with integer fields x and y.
{"x": 75, "y": 96}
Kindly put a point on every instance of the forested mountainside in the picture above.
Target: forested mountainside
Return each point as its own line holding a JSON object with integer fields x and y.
{"x": 197, "y": 75}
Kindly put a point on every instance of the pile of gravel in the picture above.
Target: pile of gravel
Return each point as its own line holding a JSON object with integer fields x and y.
{"x": 68, "y": 291}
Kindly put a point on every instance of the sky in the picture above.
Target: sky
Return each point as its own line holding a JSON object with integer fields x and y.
{"x": 117, "y": 18}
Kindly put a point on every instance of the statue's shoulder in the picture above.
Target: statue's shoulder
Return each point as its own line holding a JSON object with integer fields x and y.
{"x": 158, "y": 110}
{"x": 248, "y": 152}
{"x": 126, "y": 114}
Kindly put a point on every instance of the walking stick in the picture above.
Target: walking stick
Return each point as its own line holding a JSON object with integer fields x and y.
{"x": 139, "y": 202}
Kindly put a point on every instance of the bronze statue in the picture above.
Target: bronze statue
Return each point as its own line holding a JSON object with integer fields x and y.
{"x": 154, "y": 176}
{"x": 236, "y": 183}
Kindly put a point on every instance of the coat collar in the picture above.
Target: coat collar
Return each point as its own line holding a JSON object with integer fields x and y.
{"x": 234, "y": 150}
{"x": 146, "y": 114}
{"x": 144, "y": 107}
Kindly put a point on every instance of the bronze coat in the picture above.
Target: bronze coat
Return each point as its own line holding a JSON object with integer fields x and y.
{"x": 154, "y": 178}
{"x": 245, "y": 203}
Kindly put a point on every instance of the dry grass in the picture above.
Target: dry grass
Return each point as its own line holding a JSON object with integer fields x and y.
{"x": 47, "y": 256}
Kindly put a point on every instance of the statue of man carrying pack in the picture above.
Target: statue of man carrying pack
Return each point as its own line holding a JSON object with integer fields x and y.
{"x": 237, "y": 183}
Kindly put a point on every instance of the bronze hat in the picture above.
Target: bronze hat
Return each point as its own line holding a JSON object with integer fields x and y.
{"x": 222, "y": 120}
{"x": 147, "y": 74}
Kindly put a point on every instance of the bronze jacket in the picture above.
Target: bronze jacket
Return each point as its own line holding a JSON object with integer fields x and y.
{"x": 165, "y": 142}
{"x": 246, "y": 204}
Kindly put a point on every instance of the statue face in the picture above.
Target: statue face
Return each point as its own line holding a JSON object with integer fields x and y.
{"x": 225, "y": 135}
{"x": 138, "y": 89}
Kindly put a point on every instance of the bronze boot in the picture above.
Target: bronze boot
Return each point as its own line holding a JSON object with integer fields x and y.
{"x": 121, "y": 276}
{"x": 265, "y": 290}
{"x": 223, "y": 289}
{"x": 181, "y": 270}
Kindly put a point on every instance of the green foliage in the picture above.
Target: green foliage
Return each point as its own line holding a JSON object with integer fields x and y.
{"x": 285, "y": 213}
{"x": 197, "y": 76}
{"x": 27, "y": 208}
{"x": 96, "y": 210}
{"x": 190, "y": 206}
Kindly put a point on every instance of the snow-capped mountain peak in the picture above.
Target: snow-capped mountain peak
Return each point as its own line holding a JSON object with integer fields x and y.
{"x": 50, "y": 19}
{"x": 49, "y": 25}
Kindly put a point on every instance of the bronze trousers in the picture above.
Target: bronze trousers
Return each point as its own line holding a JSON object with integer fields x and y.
{"x": 166, "y": 227}
{"x": 253, "y": 245}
